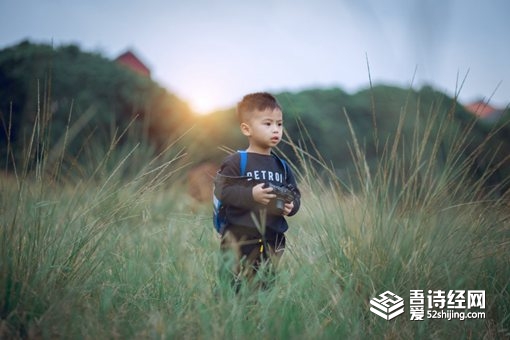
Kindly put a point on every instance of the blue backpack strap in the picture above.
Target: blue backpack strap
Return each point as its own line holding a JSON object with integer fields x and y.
{"x": 284, "y": 167}
{"x": 244, "y": 159}
{"x": 283, "y": 163}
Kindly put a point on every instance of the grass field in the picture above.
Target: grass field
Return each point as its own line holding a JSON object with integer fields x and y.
{"x": 118, "y": 250}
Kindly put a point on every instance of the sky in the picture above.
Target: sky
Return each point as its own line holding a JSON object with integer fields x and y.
{"x": 211, "y": 53}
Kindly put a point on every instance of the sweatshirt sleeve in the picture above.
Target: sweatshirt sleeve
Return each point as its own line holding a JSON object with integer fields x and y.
{"x": 230, "y": 188}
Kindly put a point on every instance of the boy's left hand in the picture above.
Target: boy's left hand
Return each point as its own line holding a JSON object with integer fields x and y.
{"x": 288, "y": 208}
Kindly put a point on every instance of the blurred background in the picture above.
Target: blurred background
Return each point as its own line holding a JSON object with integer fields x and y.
{"x": 210, "y": 53}
{"x": 173, "y": 71}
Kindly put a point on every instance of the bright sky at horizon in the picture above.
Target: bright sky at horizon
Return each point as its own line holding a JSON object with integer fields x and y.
{"x": 211, "y": 53}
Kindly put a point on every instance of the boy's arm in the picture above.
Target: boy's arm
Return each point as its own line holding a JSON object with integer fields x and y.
{"x": 231, "y": 189}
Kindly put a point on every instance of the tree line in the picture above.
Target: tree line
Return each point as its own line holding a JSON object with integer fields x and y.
{"x": 91, "y": 98}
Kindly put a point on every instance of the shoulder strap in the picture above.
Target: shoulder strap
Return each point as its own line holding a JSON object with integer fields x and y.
{"x": 244, "y": 159}
{"x": 283, "y": 163}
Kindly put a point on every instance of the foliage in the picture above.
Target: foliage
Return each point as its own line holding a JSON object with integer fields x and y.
{"x": 81, "y": 94}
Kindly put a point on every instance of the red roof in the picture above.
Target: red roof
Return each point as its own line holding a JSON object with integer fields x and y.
{"x": 480, "y": 108}
{"x": 130, "y": 60}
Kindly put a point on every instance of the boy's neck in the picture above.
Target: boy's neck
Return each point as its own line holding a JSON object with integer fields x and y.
{"x": 262, "y": 151}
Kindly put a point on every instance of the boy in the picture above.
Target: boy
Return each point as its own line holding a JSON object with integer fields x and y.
{"x": 255, "y": 221}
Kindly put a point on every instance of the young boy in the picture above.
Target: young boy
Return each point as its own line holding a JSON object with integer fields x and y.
{"x": 255, "y": 223}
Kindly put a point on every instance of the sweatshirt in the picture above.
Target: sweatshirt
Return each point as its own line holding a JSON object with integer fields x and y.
{"x": 235, "y": 191}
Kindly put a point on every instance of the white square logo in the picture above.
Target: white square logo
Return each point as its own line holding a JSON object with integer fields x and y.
{"x": 387, "y": 306}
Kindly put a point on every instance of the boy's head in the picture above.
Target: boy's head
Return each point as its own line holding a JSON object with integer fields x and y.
{"x": 259, "y": 101}
{"x": 261, "y": 121}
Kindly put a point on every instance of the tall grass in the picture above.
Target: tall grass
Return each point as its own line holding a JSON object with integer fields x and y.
{"x": 115, "y": 249}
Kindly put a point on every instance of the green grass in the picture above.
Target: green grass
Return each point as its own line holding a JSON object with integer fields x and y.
{"x": 117, "y": 250}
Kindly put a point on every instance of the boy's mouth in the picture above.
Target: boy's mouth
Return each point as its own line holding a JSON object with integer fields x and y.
{"x": 275, "y": 139}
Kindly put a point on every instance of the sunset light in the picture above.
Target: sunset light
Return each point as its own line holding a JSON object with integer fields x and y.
{"x": 203, "y": 104}
{"x": 206, "y": 97}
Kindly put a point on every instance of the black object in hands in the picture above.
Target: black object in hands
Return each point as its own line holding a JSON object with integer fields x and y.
{"x": 284, "y": 194}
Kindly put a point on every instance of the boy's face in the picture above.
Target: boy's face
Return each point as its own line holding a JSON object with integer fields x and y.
{"x": 264, "y": 128}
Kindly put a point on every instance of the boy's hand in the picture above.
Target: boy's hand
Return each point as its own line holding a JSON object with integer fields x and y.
{"x": 288, "y": 208}
{"x": 262, "y": 195}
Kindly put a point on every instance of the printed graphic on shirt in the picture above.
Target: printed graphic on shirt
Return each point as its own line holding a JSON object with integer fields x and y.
{"x": 266, "y": 175}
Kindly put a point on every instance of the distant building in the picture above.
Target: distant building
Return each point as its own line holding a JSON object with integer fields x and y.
{"x": 131, "y": 61}
{"x": 484, "y": 111}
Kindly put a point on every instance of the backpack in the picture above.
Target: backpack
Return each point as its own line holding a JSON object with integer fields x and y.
{"x": 219, "y": 213}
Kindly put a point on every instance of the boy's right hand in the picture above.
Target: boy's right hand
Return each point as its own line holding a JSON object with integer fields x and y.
{"x": 262, "y": 195}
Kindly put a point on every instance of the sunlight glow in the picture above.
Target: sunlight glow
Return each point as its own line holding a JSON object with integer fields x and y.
{"x": 202, "y": 105}
{"x": 204, "y": 93}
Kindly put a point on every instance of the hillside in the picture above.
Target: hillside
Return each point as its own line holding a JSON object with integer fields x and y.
{"x": 82, "y": 98}
{"x": 83, "y": 95}
{"x": 382, "y": 117}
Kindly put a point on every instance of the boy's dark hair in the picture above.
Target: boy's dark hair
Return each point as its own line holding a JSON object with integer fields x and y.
{"x": 256, "y": 101}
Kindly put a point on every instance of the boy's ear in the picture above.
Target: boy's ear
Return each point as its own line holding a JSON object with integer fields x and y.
{"x": 245, "y": 129}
